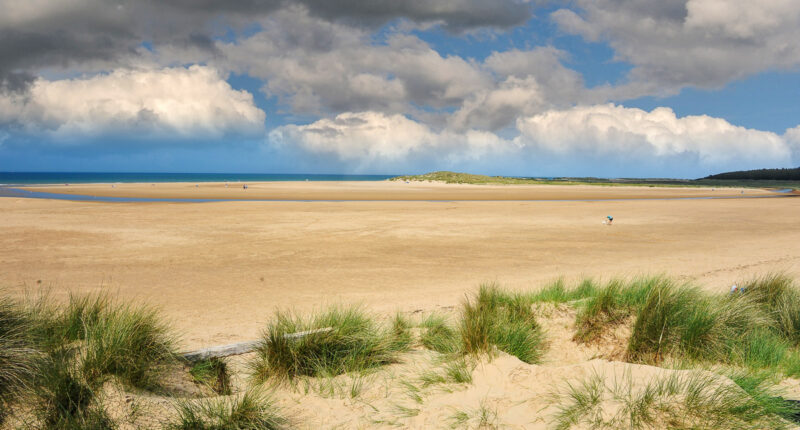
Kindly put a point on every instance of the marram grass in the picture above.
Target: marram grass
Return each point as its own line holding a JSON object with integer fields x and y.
{"x": 355, "y": 342}
{"x": 213, "y": 373}
{"x": 491, "y": 319}
{"x": 65, "y": 353}
{"x": 255, "y": 409}
{"x": 498, "y": 319}
{"x": 18, "y": 355}
{"x": 685, "y": 400}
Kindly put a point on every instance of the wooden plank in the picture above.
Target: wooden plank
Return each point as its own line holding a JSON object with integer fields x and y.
{"x": 240, "y": 347}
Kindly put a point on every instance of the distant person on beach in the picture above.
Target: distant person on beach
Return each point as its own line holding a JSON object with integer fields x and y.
{"x": 609, "y": 220}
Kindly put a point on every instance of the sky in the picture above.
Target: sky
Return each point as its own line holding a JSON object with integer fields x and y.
{"x": 607, "y": 88}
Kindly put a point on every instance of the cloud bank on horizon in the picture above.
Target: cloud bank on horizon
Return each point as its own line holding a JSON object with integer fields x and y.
{"x": 506, "y": 87}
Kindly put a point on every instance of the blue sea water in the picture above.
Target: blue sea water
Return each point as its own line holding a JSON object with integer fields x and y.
{"x": 19, "y": 178}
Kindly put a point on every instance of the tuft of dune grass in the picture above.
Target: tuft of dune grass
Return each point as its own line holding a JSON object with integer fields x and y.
{"x": 491, "y": 319}
{"x": 611, "y": 305}
{"x": 18, "y": 355}
{"x": 780, "y": 298}
{"x": 64, "y": 399}
{"x": 684, "y": 321}
{"x": 498, "y": 319}
{"x": 255, "y": 409}
{"x": 439, "y": 336}
{"x": 68, "y": 351}
{"x": 129, "y": 342}
{"x": 213, "y": 373}
{"x": 677, "y": 401}
{"x": 355, "y": 342}
{"x": 557, "y": 292}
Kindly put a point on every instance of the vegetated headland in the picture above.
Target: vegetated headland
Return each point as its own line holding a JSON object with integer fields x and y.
{"x": 646, "y": 352}
{"x": 764, "y": 178}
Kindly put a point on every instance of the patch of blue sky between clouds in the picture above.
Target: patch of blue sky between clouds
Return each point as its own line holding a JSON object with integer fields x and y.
{"x": 593, "y": 60}
{"x": 767, "y": 101}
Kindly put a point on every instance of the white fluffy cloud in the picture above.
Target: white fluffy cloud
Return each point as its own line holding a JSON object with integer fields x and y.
{"x": 598, "y": 139}
{"x": 172, "y": 102}
{"x": 367, "y": 139}
{"x": 609, "y": 131}
{"x": 704, "y": 43}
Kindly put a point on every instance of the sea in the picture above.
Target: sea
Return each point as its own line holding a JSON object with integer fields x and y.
{"x": 21, "y": 178}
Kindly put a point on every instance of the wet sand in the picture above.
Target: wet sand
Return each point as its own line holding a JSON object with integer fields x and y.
{"x": 218, "y": 270}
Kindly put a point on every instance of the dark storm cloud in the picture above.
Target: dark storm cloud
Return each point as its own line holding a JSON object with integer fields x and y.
{"x": 457, "y": 15}
{"x": 68, "y": 35}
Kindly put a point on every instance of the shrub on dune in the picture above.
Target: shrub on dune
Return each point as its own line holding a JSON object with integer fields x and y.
{"x": 340, "y": 340}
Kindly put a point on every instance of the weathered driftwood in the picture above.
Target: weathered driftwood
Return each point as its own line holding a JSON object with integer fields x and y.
{"x": 240, "y": 347}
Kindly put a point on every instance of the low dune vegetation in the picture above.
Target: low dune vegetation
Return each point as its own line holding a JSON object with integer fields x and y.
{"x": 492, "y": 320}
{"x": 340, "y": 340}
{"x": 722, "y": 356}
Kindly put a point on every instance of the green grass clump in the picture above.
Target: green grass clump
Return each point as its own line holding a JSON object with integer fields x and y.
{"x": 681, "y": 320}
{"x": 64, "y": 399}
{"x": 439, "y": 336}
{"x": 495, "y": 318}
{"x": 354, "y": 343}
{"x": 599, "y": 312}
{"x": 66, "y": 352}
{"x": 759, "y": 385}
{"x": 81, "y": 313}
{"x": 611, "y": 305}
{"x": 18, "y": 354}
{"x": 780, "y": 299}
{"x": 557, "y": 292}
{"x": 128, "y": 342}
{"x": 213, "y": 373}
{"x": 401, "y": 333}
{"x": 677, "y": 401}
{"x": 253, "y": 410}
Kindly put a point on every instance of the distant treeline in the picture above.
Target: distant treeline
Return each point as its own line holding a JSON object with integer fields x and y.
{"x": 761, "y": 174}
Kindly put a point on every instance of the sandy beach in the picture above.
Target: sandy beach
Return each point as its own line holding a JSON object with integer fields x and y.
{"x": 218, "y": 270}
{"x": 384, "y": 190}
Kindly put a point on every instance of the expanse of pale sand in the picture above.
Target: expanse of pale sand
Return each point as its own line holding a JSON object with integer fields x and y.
{"x": 218, "y": 270}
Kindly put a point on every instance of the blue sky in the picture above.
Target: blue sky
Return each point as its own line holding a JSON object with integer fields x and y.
{"x": 576, "y": 88}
